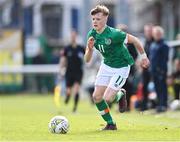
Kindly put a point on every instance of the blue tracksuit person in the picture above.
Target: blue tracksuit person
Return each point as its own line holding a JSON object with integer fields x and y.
{"x": 159, "y": 59}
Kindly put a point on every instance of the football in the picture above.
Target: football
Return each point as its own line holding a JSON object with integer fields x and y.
{"x": 59, "y": 125}
{"x": 175, "y": 105}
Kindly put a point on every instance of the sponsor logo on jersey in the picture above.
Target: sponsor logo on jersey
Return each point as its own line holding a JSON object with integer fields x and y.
{"x": 107, "y": 41}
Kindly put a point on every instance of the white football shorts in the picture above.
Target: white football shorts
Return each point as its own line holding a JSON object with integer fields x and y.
{"x": 114, "y": 78}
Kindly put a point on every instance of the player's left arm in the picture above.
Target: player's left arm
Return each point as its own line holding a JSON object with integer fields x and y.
{"x": 63, "y": 63}
{"x": 139, "y": 47}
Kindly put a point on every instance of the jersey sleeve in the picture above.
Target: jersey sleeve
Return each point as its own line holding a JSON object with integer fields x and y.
{"x": 89, "y": 34}
{"x": 121, "y": 36}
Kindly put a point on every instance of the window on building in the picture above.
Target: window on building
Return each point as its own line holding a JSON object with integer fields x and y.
{"x": 111, "y": 18}
{"x": 52, "y": 20}
{"x": 28, "y": 20}
{"x": 74, "y": 18}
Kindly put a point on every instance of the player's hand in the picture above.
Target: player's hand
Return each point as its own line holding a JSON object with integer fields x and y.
{"x": 90, "y": 43}
{"x": 145, "y": 62}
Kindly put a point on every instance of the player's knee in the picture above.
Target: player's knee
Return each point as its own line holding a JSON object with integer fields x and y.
{"x": 107, "y": 99}
{"x": 96, "y": 98}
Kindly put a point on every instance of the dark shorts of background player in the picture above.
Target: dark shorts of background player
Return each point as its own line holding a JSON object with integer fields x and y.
{"x": 73, "y": 78}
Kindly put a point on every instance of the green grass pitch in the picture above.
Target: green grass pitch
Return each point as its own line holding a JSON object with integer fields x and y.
{"x": 25, "y": 117}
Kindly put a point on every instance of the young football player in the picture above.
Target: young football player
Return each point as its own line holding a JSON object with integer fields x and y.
{"x": 115, "y": 67}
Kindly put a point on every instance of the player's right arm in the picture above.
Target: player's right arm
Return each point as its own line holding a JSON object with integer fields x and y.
{"x": 89, "y": 49}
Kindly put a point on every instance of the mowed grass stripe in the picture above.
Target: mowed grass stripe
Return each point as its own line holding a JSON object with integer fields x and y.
{"x": 25, "y": 117}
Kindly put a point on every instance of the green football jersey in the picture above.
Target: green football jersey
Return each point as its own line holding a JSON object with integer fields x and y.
{"x": 110, "y": 43}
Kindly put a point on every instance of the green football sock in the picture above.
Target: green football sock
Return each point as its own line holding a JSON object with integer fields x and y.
{"x": 105, "y": 111}
{"x": 118, "y": 96}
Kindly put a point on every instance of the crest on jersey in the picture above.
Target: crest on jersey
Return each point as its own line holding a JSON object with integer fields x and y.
{"x": 108, "y": 41}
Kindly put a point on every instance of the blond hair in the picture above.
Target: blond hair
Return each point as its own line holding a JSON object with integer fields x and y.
{"x": 100, "y": 9}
